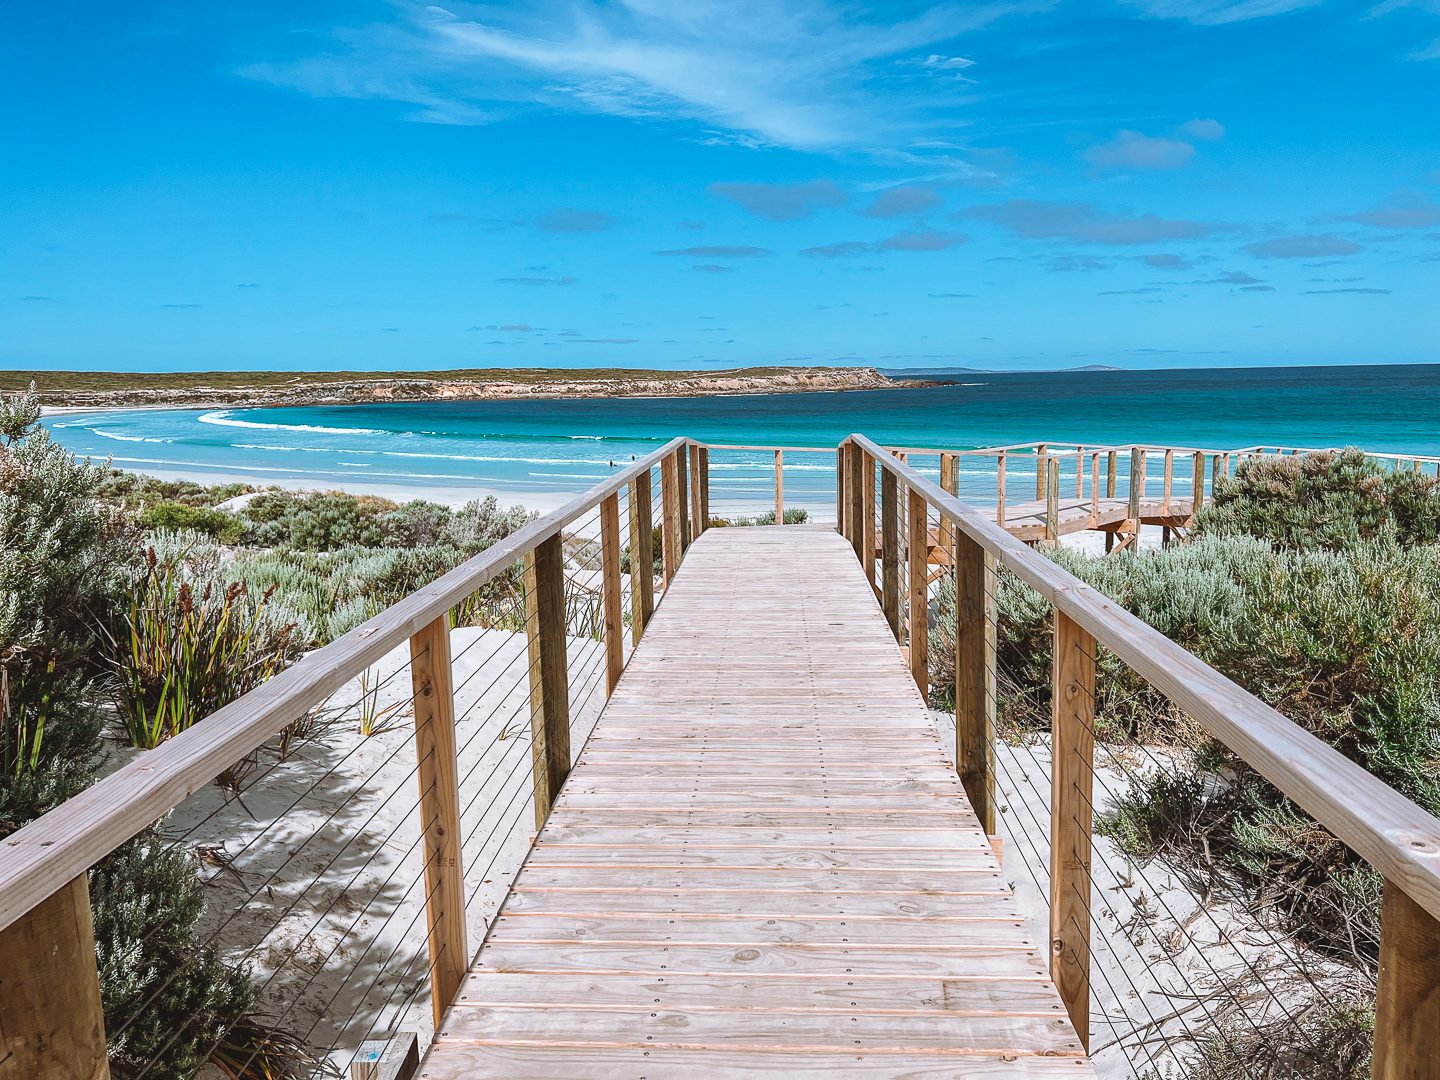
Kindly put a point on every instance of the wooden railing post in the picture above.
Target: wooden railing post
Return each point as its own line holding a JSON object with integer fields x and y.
{"x": 854, "y": 474}
{"x": 51, "y": 1024}
{"x": 1041, "y": 472}
{"x": 1000, "y": 489}
{"x": 1094, "y": 488}
{"x": 918, "y": 532}
{"x": 949, "y": 480}
{"x": 1214, "y": 473}
{"x": 1110, "y": 470}
{"x": 1052, "y": 502}
{"x": 867, "y": 518}
{"x": 702, "y": 485}
{"x": 610, "y": 591}
{"x": 549, "y": 683}
{"x": 841, "y": 503}
{"x": 779, "y": 487}
{"x": 975, "y": 642}
{"x": 1080, "y": 472}
{"x": 1137, "y": 485}
{"x": 642, "y": 556}
{"x": 682, "y": 500}
{"x": 698, "y": 480}
{"x": 1407, "y": 995}
{"x": 1197, "y": 484}
{"x": 1071, "y": 818}
{"x": 434, "y": 702}
{"x": 890, "y": 550}
{"x": 669, "y": 518}
{"x": 1169, "y": 482}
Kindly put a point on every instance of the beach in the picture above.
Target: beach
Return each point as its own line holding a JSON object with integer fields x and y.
{"x": 538, "y": 453}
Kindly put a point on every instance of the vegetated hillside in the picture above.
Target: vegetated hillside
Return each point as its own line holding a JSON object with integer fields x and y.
{"x": 101, "y": 388}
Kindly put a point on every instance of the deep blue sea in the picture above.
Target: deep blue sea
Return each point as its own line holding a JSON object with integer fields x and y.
{"x": 538, "y": 452}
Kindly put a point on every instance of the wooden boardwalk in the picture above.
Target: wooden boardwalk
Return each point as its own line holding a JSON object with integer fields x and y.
{"x": 762, "y": 863}
{"x": 1026, "y": 521}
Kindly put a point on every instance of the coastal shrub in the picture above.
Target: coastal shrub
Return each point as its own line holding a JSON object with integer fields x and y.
{"x": 66, "y": 561}
{"x": 795, "y": 515}
{"x": 327, "y": 593}
{"x": 657, "y": 553}
{"x": 329, "y": 520}
{"x": 169, "y": 514}
{"x": 63, "y": 557}
{"x": 1325, "y": 1032}
{"x": 1345, "y": 643}
{"x": 191, "y": 647}
{"x": 334, "y": 520}
{"x": 482, "y": 522}
{"x": 165, "y": 997}
{"x": 136, "y": 491}
{"x": 419, "y": 523}
{"x": 1329, "y": 499}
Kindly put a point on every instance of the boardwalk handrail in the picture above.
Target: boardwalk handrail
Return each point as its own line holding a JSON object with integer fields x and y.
{"x": 45, "y": 855}
{"x": 1398, "y": 838}
{"x": 1393, "y": 834}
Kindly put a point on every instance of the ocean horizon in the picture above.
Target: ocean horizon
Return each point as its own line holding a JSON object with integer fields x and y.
{"x": 538, "y": 452}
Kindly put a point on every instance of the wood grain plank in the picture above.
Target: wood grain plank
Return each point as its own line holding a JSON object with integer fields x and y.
{"x": 662, "y": 1027}
{"x": 648, "y": 928}
{"x": 737, "y": 993}
{"x": 922, "y": 961}
{"x": 591, "y": 1062}
{"x": 764, "y": 852}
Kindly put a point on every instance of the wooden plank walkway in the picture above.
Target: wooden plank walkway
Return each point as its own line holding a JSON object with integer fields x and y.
{"x": 762, "y": 863}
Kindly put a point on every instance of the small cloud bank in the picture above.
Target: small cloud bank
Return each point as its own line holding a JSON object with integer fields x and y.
{"x": 1085, "y": 223}
{"x": 1303, "y": 246}
{"x": 781, "y": 202}
{"x": 919, "y": 241}
{"x": 568, "y": 220}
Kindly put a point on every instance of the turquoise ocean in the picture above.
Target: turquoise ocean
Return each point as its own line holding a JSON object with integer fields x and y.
{"x": 537, "y": 452}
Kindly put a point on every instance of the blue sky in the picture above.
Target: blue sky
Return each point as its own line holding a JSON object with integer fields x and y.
{"x": 657, "y": 183}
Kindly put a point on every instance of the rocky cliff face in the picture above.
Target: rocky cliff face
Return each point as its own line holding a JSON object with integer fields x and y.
{"x": 355, "y": 391}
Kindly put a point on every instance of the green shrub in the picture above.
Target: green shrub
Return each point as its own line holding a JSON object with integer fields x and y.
{"x": 147, "y": 901}
{"x": 1330, "y": 499}
{"x": 795, "y": 515}
{"x": 63, "y": 566}
{"x": 481, "y": 522}
{"x": 334, "y": 520}
{"x": 223, "y": 526}
{"x": 416, "y": 524}
{"x": 135, "y": 491}
{"x": 190, "y": 648}
{"x": 1345, "y": 643}
{"x": 66, "y": 561}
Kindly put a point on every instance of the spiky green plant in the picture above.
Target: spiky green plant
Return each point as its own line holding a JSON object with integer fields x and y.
{"x": 188, "y": 652}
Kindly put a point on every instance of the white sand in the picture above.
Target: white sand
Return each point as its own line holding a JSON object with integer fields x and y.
{"x": 315, "y": 870}
{"x": 1157, "y": 950}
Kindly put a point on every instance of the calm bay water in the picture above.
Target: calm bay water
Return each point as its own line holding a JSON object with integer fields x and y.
{"x": 538, "y": 452}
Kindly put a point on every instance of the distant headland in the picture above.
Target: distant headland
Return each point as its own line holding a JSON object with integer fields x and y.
{"x": 204, "y": 389}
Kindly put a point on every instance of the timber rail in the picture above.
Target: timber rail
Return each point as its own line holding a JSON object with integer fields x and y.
{"x": 721, "y": 734}
{"x": 1113, "y": 489}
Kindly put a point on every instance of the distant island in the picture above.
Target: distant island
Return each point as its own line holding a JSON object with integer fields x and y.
{"x": 204, "y": 389}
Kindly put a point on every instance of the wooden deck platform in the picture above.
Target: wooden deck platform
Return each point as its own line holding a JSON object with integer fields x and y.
{"x": 1026, "y": 521}
{"x": 762, "y": 863}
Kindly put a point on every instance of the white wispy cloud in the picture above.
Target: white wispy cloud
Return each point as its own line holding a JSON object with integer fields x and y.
{"x": 809, "y": 75}
{"x": 1132, "y": 150}
{"x": 1218, "y": 12}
